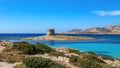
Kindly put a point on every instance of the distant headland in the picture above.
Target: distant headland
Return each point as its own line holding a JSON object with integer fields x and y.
{"x": 114, "y": 29}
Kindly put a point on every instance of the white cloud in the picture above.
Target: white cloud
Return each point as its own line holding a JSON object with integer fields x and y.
{"x": 108, "y": 13}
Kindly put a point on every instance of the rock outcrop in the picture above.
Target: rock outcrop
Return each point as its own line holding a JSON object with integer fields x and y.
{"x": 5, "y": 43}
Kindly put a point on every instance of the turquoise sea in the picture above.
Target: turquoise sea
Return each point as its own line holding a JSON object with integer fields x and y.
{"x": 108, "y": 45}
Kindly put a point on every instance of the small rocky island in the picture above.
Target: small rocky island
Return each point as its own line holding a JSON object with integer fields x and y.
{"x": 51, "y": 36}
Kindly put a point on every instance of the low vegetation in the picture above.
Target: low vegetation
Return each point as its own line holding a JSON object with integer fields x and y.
{"x": 20, "y": 66}
{"x": 11, "y": 58}
{"x": 11, "y": 55}
{"x": 88, "y": 60}
{"x": 84, "y": 63}
{"x": 89, "y": 52}
{"x": 75, "y": 51}
{"x": 26, "y": 53}
{"x": 19, "y": 50}
{"x": 38, "y": 48}
{"x": 39, "y": 62}
{"x": 70, "y": 37}
{"x": 93, "y": 58}
{"x": 30, "y": 49}
{"x": 107, "y": 57}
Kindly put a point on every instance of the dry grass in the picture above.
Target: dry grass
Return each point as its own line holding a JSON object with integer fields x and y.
{"x": 71, "y": 37}
{"x": 11, "y": 58}
{"x": 11, "y": 55}
{"x": 20, "y": 66}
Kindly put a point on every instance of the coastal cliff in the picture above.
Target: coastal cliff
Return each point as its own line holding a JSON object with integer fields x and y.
{"x": 114, "y": 29}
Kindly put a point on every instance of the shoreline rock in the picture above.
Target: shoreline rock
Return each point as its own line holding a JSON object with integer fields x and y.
{"x": 5, "y": 43}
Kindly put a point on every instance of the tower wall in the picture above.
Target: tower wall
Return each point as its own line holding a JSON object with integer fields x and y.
{"x": 50, "y": 32}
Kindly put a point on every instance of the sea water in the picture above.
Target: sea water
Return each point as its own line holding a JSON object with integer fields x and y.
{"x": 108, "y": 45}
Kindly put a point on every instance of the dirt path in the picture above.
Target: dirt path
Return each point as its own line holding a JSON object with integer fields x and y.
{"x": 8, "y": 65}
{"x": 5, "y": 65}
{"x": 1, "y": 48}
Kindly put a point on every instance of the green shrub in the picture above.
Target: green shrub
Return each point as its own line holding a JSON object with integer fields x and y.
{"x": 55, "y": 53}
{"x": 84, "y": 63}
{"x": 75, "y": 51}
{"x": 92, "y": 57}
{"x": 39, "y": 62}
{"x": 89, "y": 52}
{"x": 20, "y": 66}
{"x": 90, "y": 64}
{"x": 27, "y": 48}
{"x": 41, "y": 48}
{"x": 75, "y": 60}
{"x": 107, "y": 57}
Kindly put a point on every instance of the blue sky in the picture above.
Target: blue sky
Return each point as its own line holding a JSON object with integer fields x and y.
{"x": 35, "y": 16}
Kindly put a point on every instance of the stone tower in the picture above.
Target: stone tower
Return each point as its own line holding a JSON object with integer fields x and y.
{"x": 50, "y": 32}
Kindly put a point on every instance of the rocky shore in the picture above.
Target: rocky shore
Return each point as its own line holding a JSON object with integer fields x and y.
{"x": 5, "y": 43}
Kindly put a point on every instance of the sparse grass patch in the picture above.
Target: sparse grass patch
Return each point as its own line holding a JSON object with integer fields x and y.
{"x": 107, "y": 57}
{"x": 92, "y": 58}
{"x": 55, "y": 53}
{"x": 71, "y": 37}
{"x": 89, "y": 52}
{"x": 20, "y": 66}
{"x": 83, "y": 63}
{"x": 11, "y": 55}
{"x": 75, "y": 51}
{"x": 11, "y": 58}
